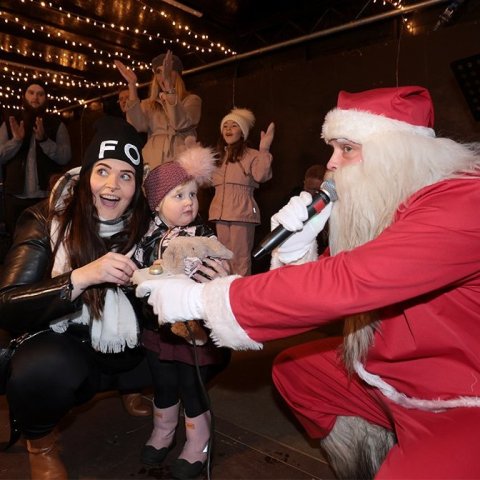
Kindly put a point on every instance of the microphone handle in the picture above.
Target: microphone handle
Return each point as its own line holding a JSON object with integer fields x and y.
{"x": 318, "y": 204}
{"x": 279, "y": 234}
{"x": 276, "y": 237}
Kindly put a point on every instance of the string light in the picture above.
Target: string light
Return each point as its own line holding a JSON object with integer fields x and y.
{"x": 48, "y": 78}
{"x": 78, "y": 61}
{"x": 85, "y": 56}
{"x": 136, "y": 31}
{"x": 67, "y": 53}
{"x": 398, "y": 5}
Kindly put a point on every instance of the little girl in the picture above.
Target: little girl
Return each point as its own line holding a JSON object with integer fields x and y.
{"x": 233, "y": 208}
{"x": 171, "y": 190}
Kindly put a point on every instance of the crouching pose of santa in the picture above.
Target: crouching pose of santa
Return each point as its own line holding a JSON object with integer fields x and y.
{"x": 398, "y": 395}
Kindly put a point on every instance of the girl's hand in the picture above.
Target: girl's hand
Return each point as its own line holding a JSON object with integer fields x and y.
{"x": 212, "y": 268}
{"x": 113, "y": 268}
{"x": 266, "y": 138}
{"x": 128, "y": 74}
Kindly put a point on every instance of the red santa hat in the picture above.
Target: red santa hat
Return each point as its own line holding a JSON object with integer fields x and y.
{"x": 196, "y": 163}
{"x": 243, "y": 117}
{"x": 372, "y": 112}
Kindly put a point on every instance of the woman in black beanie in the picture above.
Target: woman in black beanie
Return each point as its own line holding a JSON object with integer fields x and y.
{"x": 63, "y": 281}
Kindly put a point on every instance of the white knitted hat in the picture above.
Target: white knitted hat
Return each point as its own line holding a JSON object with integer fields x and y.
{"x": 241, "y": 116}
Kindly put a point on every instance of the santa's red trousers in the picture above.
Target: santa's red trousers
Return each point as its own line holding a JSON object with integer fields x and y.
{"x": 312, "y": 380}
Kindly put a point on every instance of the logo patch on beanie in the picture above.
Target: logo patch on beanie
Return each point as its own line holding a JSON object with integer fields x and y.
{"x": 130, "y": 150}
{"x": 114, "y": 139}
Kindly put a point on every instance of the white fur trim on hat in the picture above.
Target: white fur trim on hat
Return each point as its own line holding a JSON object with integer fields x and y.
{"x": 241, "y": 116}
{"x": 358, "y": 126}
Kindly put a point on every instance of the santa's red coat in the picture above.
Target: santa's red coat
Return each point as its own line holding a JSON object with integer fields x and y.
{"x": 422, "y": 274}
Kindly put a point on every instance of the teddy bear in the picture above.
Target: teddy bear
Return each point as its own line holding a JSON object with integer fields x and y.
{"x": 185, "y": 255}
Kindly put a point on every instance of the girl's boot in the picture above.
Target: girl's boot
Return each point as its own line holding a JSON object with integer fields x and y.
{"x": 162, "y": 439}
{"x": 193, "y": 458}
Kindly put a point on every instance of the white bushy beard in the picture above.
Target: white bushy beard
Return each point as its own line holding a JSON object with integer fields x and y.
{"x": 357, "y": 217}
{"x": 394, "y": 166}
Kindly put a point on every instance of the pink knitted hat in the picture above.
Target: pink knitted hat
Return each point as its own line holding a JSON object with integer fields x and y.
{"x": 196, "y": 163}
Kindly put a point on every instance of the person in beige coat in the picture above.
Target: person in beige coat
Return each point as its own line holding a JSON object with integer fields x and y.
{"x": 241, "y": 170}
{"x": 169, "y": 115}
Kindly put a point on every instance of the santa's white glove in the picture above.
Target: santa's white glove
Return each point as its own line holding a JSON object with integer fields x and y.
{"x": 173, "y": 298}
{"x": 291, "y": 217}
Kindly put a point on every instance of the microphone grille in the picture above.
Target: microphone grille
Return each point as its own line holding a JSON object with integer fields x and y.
{"x": 328, "y": 186}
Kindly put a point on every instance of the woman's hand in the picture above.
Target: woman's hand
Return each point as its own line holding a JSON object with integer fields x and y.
{"x": 266, "y": 138}
{"x": 127, "y": 73}
{"x": 167, "y": 82}
{"x": 212, "y": 268}
{"x": 113, "y": 268}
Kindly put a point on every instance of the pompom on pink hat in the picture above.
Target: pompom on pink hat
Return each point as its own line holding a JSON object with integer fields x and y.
{"x": 360, "y": 115}
{"x": 195, "y": 163}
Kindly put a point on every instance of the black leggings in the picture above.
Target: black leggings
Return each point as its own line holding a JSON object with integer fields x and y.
{"x": 52, "y": 373}
{"x": 174, "y": 380}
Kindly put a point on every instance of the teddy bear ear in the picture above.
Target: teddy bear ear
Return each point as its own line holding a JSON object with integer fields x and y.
{"x": 226, "y": 253}
{"x": 219, "y": 250}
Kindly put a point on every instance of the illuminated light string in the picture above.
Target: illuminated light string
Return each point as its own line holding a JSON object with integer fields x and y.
{"x": 61, "y": 78}
{"x": 79, "y": 61}
{"x": 142, "y": 32}
{"x": 398, "y": 5}
{"x": 66, "y": 80}
{"x": 13, "y": 100}
{"x": 73, "y": 56}
{"x": 8, "y": 94}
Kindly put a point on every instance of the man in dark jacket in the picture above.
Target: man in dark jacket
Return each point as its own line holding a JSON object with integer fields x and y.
{"x": 34, "y": 146}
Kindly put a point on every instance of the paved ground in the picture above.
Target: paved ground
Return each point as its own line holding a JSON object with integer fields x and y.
{"x": 255, "y": 435}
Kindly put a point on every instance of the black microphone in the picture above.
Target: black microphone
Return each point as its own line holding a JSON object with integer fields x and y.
{"x": 447, "y": 14}
{"x": 277, "y": 236}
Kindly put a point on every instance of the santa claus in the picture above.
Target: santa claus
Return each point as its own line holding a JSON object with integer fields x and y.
{"x": 398, "y": 395}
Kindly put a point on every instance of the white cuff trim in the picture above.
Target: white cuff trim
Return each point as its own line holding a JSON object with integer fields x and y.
{"x": 219, "y": 318}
